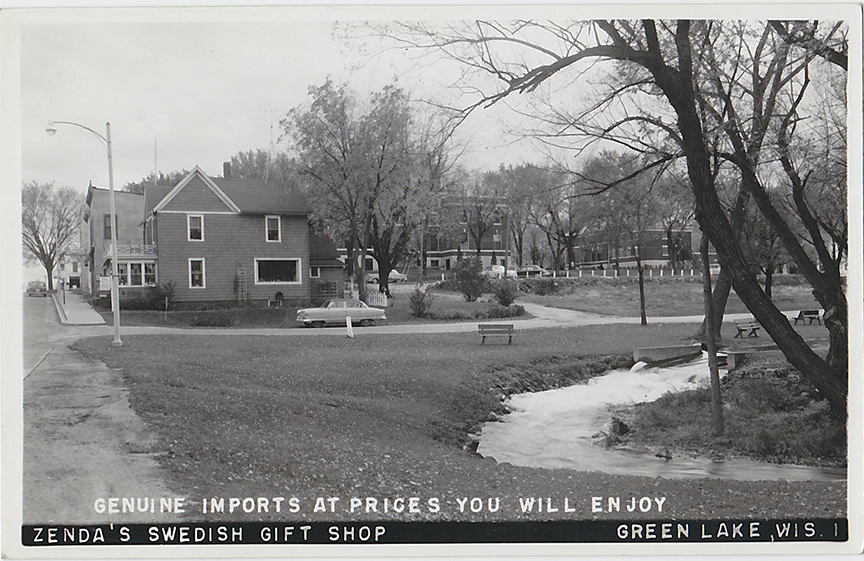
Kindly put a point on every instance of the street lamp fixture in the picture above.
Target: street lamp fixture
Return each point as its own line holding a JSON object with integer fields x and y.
{"x": 51, "y": 129}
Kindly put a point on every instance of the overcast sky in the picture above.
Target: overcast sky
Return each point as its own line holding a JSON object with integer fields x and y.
{"x": 201, "y": 91}
{"x": 199, "y": 85}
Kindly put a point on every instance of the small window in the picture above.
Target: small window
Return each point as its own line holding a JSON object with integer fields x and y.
{"x": 196, "y": 273}
{"x": 135, "y": 276}
{"x": 315, "y": 272}
{"x": 196, "y": 227}
{"x": 106, "y": 225}
{"x": 150, "y": 274}
{"x": 274, "y": 230}
{"x": 122, "y": 274}
{"x": 277, "y": 271}
{"x": 434, "y": 263}
{"x": 75, "y": 267}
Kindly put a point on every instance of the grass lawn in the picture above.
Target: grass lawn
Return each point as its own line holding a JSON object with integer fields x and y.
{"x": 612, "y": 297}
{"x": 447, "y": 306}
{"x": 387, "y": 416}
{"x": 663, "y": 297}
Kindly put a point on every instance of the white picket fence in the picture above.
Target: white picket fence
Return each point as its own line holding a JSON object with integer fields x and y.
{"x": 376, "y": 299}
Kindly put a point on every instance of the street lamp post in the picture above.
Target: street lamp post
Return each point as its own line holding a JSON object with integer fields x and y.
{"x": 115, "y": 279}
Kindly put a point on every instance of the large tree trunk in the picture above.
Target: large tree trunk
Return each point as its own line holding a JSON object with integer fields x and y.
{"x": 678, "y": 88}
{"x": 769, "y": 277}
{"x": 724, "y": 281}
{"x": 711, "y": 340}
{"x": 642, "y": 313}
{"x": 50, "y": 273}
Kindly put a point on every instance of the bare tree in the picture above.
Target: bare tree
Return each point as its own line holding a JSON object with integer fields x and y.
{"x": 49, "y": 221}
{"x": 628, "y": 210}
{"x": 170, "y": 178}
{"x": 368, "y": 172}
{"x": 266, "y": 165}
{"x": 740, "y": 77}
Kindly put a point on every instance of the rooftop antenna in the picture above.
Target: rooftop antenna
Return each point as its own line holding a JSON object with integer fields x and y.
{"x": 155, "y": 163}
{"x": 271, "y": 149}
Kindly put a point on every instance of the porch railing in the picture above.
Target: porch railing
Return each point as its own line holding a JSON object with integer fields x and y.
{"x": 130, "y": 250}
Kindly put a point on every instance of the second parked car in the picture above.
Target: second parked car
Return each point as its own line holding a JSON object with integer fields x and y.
{"x": 533, "y": 271}
{"x": 37, "y": 288}
{"x": 394, "y": 277}
{"x": 334, "y": 312}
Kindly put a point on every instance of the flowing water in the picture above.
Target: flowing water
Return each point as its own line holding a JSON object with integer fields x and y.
{"x": 553, "y": 429}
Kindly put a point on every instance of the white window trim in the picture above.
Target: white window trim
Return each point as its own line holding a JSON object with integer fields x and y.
{"x": 311, "y": 276}
{"x": 121, "y": 275}
{"x": 267, "y": 230}
{"x": 189, "y": 218}
{"x": 155, "y": 274}
{"x": 203, "y": 273}
{"x": 299, "y": 271}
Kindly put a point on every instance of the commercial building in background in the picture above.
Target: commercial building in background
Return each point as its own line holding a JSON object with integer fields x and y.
{"x": 96, "y": 226}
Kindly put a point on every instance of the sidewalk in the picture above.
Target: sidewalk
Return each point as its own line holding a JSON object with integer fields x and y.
{"x": 76, "y": 310}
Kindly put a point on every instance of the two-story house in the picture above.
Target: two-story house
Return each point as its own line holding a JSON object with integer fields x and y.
{"x": 229, "y": 240}
{"x": 95, "y": 233}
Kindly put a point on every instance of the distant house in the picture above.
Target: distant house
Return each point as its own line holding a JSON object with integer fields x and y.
{"x": 95, "y": 230}
{"x": 69, "y": 269}
{"x": 481, "y": 230}
{"x": 227, "y": 240}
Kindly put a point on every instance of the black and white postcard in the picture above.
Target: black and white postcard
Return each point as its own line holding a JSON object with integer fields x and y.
{"x": 443, "y": 280}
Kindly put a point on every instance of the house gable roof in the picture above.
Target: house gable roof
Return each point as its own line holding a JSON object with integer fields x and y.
{"x": 227, "y": 204}
{"x": 247, "y": 196}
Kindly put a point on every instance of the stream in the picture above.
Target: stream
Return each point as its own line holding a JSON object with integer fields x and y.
{"x": 553, "y": 429}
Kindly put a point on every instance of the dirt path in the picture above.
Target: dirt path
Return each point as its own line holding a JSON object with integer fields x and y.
{"x": 82, "y": 441}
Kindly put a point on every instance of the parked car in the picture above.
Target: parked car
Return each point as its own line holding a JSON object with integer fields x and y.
{"x": 533, "y": 271}
{"x": 36, "y": 288}
{"x": 494, "y": 272}
{"x": 335, "y": 311}
{"x": 394, "y": 276}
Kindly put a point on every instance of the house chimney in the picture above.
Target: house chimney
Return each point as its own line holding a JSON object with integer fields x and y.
{"x": 226, "y": 170}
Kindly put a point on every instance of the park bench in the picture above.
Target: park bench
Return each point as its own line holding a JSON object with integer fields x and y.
{"x": 748, "y": 326}
{"x": 493, "y": 329}
{"x": 809, "y": 315}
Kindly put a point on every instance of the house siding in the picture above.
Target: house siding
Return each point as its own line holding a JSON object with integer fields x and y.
{"x": 198, "y": 196}
{"x": 130, "y": 210}
{"x": 230, "y": 241}
{"x": 331, "y": 284}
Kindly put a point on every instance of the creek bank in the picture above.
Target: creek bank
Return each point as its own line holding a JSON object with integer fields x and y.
{"x": 771, "y": 415}
{"x": 549, "y": 373}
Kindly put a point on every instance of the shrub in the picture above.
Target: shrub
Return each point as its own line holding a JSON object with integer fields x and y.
{"x": 505, "y": 311}
{"x": 152, "y": 299}
{"x": 157, "y": 295}
{"x": 544, "y": 287}
{"x": 470, "y": 282}
{"x": 420, "y": 301}
{"x": 506, "y": 292}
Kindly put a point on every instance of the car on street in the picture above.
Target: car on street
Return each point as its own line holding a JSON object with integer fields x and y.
{"x": 37, "y": 288}
{"x": 494, "y": 272}
{"x": 334, "y": 312}
{"x": 533, "y": 271}
{"x": 394, "y": 277}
